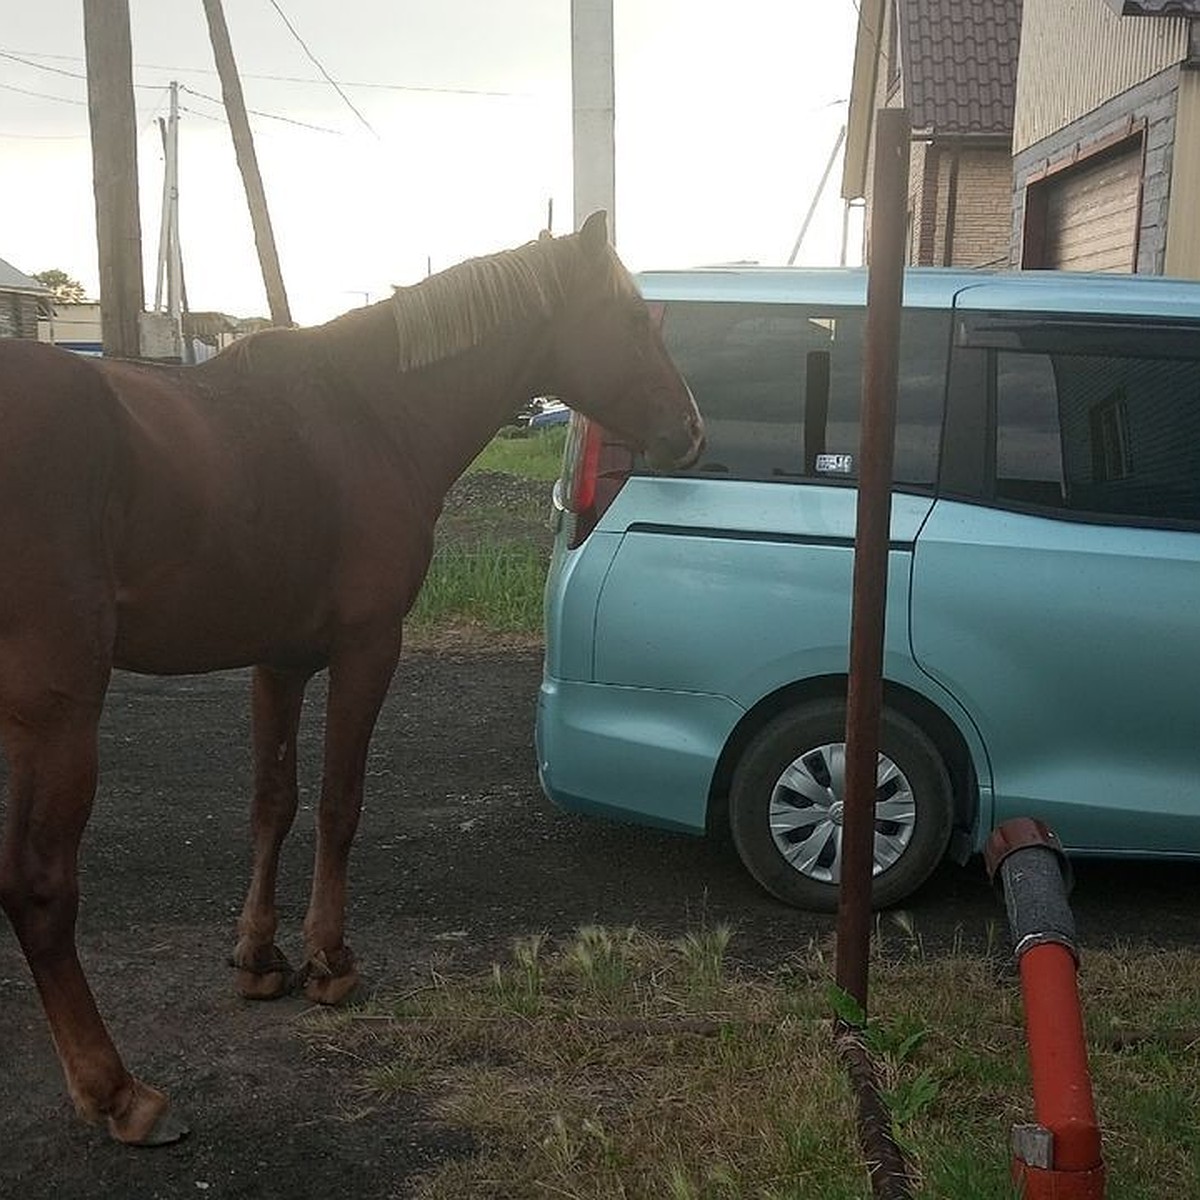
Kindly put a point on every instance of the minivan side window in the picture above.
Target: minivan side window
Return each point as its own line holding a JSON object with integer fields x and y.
{"x": 780, "y": 387}
{"x": 1094, "y": 418}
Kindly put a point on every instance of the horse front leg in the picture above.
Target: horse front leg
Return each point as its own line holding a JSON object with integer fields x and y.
{"x": 50, "y": 741}
{"x": 359, "y": 675}
{"x": 263, "y": 971}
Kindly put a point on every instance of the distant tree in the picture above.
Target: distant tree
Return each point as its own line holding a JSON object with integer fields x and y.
{"x": 64, "y": 288}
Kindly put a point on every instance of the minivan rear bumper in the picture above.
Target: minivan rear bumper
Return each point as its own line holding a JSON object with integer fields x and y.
{"x": 632, "y": 754}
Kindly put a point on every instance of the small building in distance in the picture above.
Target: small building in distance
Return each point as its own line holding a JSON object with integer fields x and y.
{"x": 20, "y": 298}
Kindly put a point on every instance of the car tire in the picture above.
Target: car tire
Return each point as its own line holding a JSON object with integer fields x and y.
{"x": 785, "y": 806}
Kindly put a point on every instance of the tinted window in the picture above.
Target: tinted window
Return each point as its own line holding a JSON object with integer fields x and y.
{"x": 780, "y": 387}
{"x": 1114, "y": 433}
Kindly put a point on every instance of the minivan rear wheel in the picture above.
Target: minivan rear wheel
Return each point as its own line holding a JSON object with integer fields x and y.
{"x": 786, "y": 798}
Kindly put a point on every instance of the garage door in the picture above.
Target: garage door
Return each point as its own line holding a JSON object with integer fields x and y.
{"x": 1092, "y": 215}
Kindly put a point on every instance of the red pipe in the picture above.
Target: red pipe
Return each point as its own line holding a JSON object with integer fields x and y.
{"x": 1062, "y": 1091}
{"x": 1058, "y": 1158}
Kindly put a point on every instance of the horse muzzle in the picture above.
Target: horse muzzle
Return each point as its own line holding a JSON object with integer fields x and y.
{"x": 679, "y": 449}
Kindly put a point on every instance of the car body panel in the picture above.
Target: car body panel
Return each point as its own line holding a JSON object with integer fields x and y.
{"x": 1110, "y": 652}
{"x": 675, "y": 610}
{"x": 654, "y": 749}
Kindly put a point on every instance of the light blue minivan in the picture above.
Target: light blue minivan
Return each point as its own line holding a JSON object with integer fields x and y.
{"x": 1043, "y": 621}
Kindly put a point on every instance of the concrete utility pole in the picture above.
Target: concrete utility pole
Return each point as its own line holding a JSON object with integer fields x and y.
{"x": 593, "y": 108}
{"x": 113, "y": 124}
{"x": 170, "y": 256}
{"x": 243, "y": 145}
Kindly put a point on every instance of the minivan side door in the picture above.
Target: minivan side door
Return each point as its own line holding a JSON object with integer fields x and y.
{"x": 1056, "y": 582}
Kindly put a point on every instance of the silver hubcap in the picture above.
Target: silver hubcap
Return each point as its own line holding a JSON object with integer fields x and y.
{"x": 806, "y": 812}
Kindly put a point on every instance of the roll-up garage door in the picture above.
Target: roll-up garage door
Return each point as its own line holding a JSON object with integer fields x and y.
{"x": 1092, "y": 215}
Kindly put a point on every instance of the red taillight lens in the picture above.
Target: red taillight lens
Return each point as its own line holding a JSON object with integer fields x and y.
{"x": 595, "y": 467}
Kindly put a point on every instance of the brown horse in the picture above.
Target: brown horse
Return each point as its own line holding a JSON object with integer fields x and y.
{"x": 273, "y": 507}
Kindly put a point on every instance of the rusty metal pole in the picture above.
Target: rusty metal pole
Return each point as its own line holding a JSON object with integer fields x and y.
{"x": 885, "y": 284}
{"x": 889, "y": 219}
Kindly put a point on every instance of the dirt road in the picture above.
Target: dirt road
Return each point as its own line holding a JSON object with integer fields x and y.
{"x": 457, "y": 854}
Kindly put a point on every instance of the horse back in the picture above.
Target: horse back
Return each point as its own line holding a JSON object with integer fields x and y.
{"x": 58, "y": 441}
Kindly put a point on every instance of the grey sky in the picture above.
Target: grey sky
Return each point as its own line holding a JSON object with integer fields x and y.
{"x": 725, "y": 118}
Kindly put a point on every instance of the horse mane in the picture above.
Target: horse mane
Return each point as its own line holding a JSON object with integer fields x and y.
{"x": 459, "y": 308}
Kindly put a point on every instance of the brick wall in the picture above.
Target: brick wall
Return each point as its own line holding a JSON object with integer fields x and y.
{"x": 960, "y": 200}
{"x": 983, "y": 209}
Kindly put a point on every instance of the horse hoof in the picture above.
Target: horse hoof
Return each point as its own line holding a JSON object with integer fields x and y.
{"x": 265, "y": 975}
{"x": 330, "y": 989}
{"x": 269, "y": 986}
{"x": 147, "y": 1120}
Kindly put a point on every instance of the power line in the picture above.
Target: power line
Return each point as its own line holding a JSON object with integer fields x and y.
{"x": 69, "y": 74}
{"x": 10, "y": 87}
{"x": 317, "y": 63}
{"x": 195, "y": 112}
{"x": 178, "y": 70}
{"x": 150, "y": 87}
{"x": 259, "y": 113}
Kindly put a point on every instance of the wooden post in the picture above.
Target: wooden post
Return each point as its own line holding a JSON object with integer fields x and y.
{"x": 243, "y": 145}
{"x": 114, "y": 173}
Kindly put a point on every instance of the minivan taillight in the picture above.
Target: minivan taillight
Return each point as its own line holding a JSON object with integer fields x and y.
{"x": 595, "y": 467}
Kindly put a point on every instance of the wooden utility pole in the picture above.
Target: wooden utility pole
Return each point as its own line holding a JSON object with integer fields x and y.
{"x": 243, "y": 145}
{"x": 114, "y": 173}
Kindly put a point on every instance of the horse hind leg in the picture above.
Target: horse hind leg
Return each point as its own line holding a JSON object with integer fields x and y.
{"x": 49, "y": 737}
{"x": 359, "y": 675}
{"x": 263, "y": 971}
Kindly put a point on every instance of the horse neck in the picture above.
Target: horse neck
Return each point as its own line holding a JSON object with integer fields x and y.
{"x": 440, "y": 416}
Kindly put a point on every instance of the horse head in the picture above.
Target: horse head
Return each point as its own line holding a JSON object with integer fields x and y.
{"x": 609, "y": 361}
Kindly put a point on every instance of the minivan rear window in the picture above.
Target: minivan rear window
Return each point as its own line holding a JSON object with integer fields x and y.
{"x": 780, "y": 388}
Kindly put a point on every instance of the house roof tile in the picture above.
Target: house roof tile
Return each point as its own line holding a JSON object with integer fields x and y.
{"x": 959, "y": 62}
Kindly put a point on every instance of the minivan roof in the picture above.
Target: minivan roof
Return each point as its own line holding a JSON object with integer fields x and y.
{"x": 933, "y": 287}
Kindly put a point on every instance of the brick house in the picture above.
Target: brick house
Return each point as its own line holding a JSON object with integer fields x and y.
{"x": 19, "y": 297}
{"x": 953, "y": 64}
{"x": 1106, "y": 137}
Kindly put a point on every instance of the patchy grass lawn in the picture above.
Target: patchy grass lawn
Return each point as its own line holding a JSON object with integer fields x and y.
{"x": 493, "y": 541}
{"x": 621, "y": 1066}
{"x": 535, "y": 455}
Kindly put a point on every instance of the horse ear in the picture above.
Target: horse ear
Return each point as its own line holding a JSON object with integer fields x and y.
{"x": 593, "y": 237}
{"x": 545, "y": 236}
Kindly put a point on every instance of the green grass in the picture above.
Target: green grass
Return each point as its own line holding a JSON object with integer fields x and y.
{"x": 617, "y": 1065}
{"x": 497, "y": 587}
{"x": 493, "y": 541}
{"x": 535, "y": 455}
